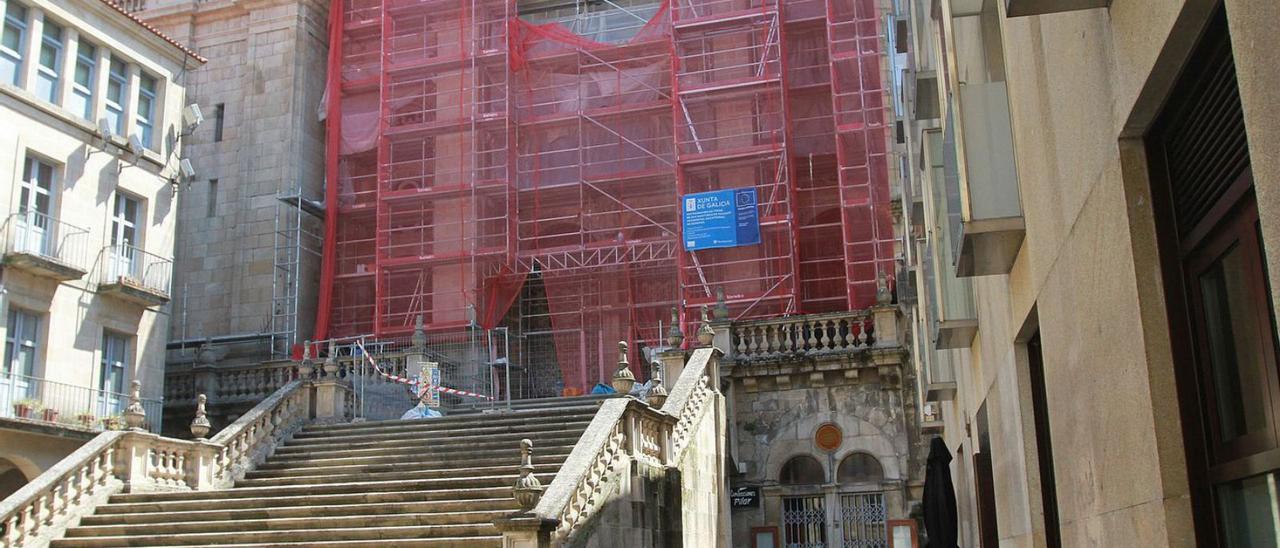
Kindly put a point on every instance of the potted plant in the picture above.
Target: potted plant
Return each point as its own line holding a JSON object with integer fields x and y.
{"x": 87, "y": 419}
{"x": 49, "y": 415}
{"x": 114, "y": 422}
{"x": 24, "y": 409}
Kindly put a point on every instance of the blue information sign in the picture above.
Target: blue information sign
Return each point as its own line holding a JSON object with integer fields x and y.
{"x": 723, "y": 218}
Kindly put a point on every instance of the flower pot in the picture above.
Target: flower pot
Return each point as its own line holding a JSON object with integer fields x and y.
{"x": 49, "y": 415}
{"x": 22, "y": 410}
{"x": 87, "y": 420}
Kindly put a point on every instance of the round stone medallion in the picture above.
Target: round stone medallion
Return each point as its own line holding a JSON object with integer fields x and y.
{"x": 828, "y": 437}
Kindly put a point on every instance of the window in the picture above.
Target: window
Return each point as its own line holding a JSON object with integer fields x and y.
{"x": 859, "y": 468}
{"x": 146, "y": 115}
{"x": 117, "y": 90}
{"x": 1218, "y": 300}
{"x": 217, "y": 122}
{"x": 1044, "y": 443}
{"x": 21, "y": 343}
{"x": 115, "y": 357}
{"x": 115, "y": 351}
{"x": 50, "y": 66}
{"x": 35, "y": 203}
{"x": 124, "y": 235}
{"x": 802, "y": 470}
{"x": 804, "y": 521}
{"x": 81, "y": 100}
{"x": 984, "y": 482}
{"x": 11, "y": 39}
{"x": 211, "y": 205}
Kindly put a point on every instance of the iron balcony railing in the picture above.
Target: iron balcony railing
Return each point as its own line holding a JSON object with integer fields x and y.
{"x": 129, "y": 265}
{"x": 32, "y": 233}
{"x": 43, "y": 400}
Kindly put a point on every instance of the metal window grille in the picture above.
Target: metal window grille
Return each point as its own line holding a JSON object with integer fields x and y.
{"x": 862, "y": 520}
{"x": 804, "y": 522}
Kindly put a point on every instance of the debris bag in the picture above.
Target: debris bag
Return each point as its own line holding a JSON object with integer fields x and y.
{"x": 602, "y": 388}
{"x": 420, "y": 411}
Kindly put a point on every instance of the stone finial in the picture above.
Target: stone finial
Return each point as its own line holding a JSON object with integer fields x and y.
{"x": 674, "y": 335}
{"x": 134, "y": 414}
{"x": 883, "y": 295}
{"x": 419, "y": 339}
{"x": 306, "y": 366}
{"x": 623, "y": 380}
{"x": 527, "y": 489}
{"x": 706, "y": 333}
{"x": 331, "y": 361}
{"x": 200, "y": 425}
{"x": 722, "y": 305}
{"x": 206, "y": 355}
{"x": 657, "y": 394}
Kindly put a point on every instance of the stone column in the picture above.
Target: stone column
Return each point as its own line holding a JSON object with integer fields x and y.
{"x": 886, "y": 325}
{"x": 67, "y": 72}
{"x": 133, "y": 75}
{"x": 102, "y": 66}
{"x": 331, "y": 400}
{"x": 31, "y": 48}
{"x": 672, "y": 365}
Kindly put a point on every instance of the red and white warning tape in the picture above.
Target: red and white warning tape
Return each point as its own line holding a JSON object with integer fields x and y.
{"x": 422, "y": 387}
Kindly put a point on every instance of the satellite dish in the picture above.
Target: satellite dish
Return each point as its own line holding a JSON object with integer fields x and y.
{"x": 135, "y": 144}
{"x": 187, "y": 171}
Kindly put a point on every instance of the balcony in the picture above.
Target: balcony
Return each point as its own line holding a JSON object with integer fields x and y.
{"x": 1021, "y": 8}
{"x": 36, "y": 401}
{"x": 952, "y": 308}
{"x": 133, "y": 275}
{"x": 990, "y": 206}
{"x": 44, "y": 246}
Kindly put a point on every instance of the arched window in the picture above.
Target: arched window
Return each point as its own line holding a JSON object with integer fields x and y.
{"x": 859, "y": 468}
{"x": 802, "y": 470}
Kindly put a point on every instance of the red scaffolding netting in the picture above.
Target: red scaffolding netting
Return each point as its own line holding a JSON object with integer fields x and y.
{"x": 470, "y": 148}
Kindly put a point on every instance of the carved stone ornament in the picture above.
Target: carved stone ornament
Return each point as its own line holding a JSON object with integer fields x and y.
{"x": 527, "y": 489}
{"x": 705, "y": 333}
{"x": 306, "y": 366}
{"x": 331, "y": 361}
{"x": 674, "y": 336}
{"x": 623, "y": 380}
{"x": 135, "y": 415}
{"x": 200, "y": 425}
{"x": 722, "y": 305}
{"x": 419, "y": 339}
{"x": 657, "y": 394}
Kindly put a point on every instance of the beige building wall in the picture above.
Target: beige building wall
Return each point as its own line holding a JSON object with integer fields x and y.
{"x": 1084, "y": 87}
{"x": 267, "y": 65}
{"x": 89, "y": 172}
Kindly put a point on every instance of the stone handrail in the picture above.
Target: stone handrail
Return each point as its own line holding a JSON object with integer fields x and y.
{"x": 804, "y": 334}
{"x": 137, "y": 461}
{"x": 691, "y": 396}
{"x": 626, "y": 429}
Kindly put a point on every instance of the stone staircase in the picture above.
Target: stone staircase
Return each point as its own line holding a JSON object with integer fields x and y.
{"x": 436, "y": 482}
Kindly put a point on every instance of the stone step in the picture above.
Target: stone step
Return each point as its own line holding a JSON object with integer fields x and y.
{"x": 509, "y": 443}
{"x": 275, "y": 471}
{"x": 294, "y": 535}
{"x": 407, "y": 456}
{"x": 123, "y": 504}
{"x": 412, "y": 439}
{"x": 403, "y": 473}
{"x": 456, "y": 421}
{"x": 165, "y": 513}
{"x": 534, "y": 403}
{"x": 458, "y": 523}
{"x": 353, "y": 486}
{"x": 353, "y": 439}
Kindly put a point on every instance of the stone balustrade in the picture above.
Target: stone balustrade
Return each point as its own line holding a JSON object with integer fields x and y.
{"x": 138, "y": 461}
{"x": 811, "y": 335}
{"x": 623, "y": 430}
{"x": 226, "y": 384}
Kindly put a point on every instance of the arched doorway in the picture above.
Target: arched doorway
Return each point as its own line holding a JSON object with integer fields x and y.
{"x": 11, "y": 478}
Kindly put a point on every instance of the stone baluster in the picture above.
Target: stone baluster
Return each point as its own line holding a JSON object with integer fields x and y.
{"x": 623, "y": 380}
{"x": 134, "y": 415}
{"x": 528, "y": 490}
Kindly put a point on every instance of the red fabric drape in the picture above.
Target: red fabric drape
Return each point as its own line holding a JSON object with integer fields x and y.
{"x": 333, "y": 132}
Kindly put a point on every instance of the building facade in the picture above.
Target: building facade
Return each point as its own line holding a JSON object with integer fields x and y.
{"x": 246, "y": 269}
{"x": 1095, "y": 184}
{"x": 91, "y": 102}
